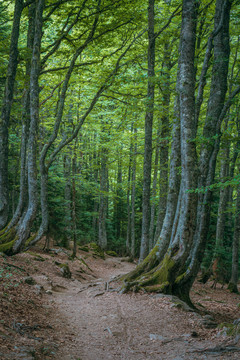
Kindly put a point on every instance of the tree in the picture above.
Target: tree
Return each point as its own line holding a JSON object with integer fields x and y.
{"x": 147, "y": 166}
{"x": 174, "y": 271}
{"x": 5, "y": 113}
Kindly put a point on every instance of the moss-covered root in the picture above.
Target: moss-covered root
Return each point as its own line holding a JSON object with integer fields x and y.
{"x": 6, "y": 248}
{"x": 7, "y": 236}
{"x": 144, "y": 267}
{"x": 155, "y": 280}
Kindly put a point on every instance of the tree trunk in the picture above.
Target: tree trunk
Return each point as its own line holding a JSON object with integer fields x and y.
{"x": 153, "y": 205}
{"x": 167, "y": 276}
{"x": 128, "y": 237}
{"x": 74, "y": 218}
{"x": 25, "y": 226}
{"x": 147, "y": 165}
{"x": 133, "y": 194}
{"x": 102, "y": 232}
{"x": 210, "y": 148}
{"x": 23, "y": 195}
{"x": 223, "y": 203}
{"x": 235, "y": 247}
{"x": 67, "y": 199}
{"x": 164, "y": 144}
{"x": 118, "y": 200}
{"x": 5, "y": 113}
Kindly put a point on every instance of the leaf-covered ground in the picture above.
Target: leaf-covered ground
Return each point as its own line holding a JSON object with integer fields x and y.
{"x": 46, "y": 316}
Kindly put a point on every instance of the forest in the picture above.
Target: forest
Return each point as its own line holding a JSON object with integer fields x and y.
{"x": 120, "y": 126}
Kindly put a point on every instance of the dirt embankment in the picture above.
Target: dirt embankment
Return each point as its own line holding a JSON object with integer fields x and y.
{"x": 46, "y": 316}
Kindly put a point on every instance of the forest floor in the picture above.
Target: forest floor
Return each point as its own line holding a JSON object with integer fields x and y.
{"x": 46, "y": 316}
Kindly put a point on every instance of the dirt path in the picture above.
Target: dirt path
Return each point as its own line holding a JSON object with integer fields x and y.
{"x": 100, "y": 325}
{"x": 77, "y": 319}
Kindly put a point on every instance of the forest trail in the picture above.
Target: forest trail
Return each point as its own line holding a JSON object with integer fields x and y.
{"x": 79, "y": 319}
{"x": 100, "y": 325}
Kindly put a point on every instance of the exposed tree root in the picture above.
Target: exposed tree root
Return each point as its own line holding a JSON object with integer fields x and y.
{"x": 163, "y": 278}
{"x": 8, "y": 245}
{"x": 7, "y": 236}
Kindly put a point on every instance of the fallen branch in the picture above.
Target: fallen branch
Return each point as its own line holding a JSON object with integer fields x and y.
{"x": 217, "y": 349}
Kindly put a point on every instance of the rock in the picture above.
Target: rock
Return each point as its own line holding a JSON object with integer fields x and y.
{"x": 29, "y": 280}
{"x": 236, "y": 322}
{"x": 38, "y": 289}
{"x": 156, "y": 337}
{"x": 66, "y": 273}
{"x": 49, "y": 292}
{"x": 181, "y": 305}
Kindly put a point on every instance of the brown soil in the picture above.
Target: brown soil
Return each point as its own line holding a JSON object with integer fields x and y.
{"x": 86, "y": 318}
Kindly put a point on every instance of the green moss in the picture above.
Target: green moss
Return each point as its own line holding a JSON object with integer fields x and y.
{"x": 180, "y": 278}
{"x": 7, "y": 236}
{"x": 111, "y": 253}
{"x": 28, "y": 241}
{"x": 147, "y": 264}
{"x": 231, "y": 329}
{"x": 162, "y": 274}
{"x": 7, "y": 246}
{"x": 84, "y": 248}
{"x": 37, "y": 257}
{"x": 97, "y": 251}
{"x": 158, "y": 288}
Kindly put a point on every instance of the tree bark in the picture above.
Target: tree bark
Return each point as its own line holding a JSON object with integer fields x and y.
{"x": 168, "y": 275}
{"x": 211, "y": 133}
{"x": 102, "y": 232}
{"x": 25, "y": 226}
{"x": 128, "y": 237}
{"x": 164, "y": 144}
{"x": 235, "y": 247}
{"x": 23, "y": 193}
{"x": 133, "y": 194}
{"x": 147, "y": 165}
{"x": 5, "y": 113}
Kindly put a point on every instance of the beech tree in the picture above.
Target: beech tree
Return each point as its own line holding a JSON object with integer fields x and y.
{"x": 174, "y": 271}
{"x": 79, "y": 147}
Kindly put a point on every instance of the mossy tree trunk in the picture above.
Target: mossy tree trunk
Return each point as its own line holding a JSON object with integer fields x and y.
{"x": 147, "y": 164}
{"x": 174, "y": 270}
{"x": 24, "y": 228}
{"x": 5, "y": 113}
{"x": 164, "y": 142}
{"x": 164, "y": 276}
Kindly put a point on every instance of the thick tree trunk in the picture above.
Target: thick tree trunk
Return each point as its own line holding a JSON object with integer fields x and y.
{"x": 147, "y": 165}
{"x": 23, "y": 195}
{"x": 164, "y": 144}
{"x": 5, "y": 113}
{"x": 223, "y": 202}
{"x": 118, "y": 201}
{"x": 153, "y": 205}
{"x": 133, "y": 194}
{"x": 128, "y": 237}
{"x": 74, "y": 216}
{"x": 210, "y": 148}
{"x": 235, "y": 247}
{"x": 167, "y": 276}
{"x": 25, "y": 226}
{"x": 67, "y": 199}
